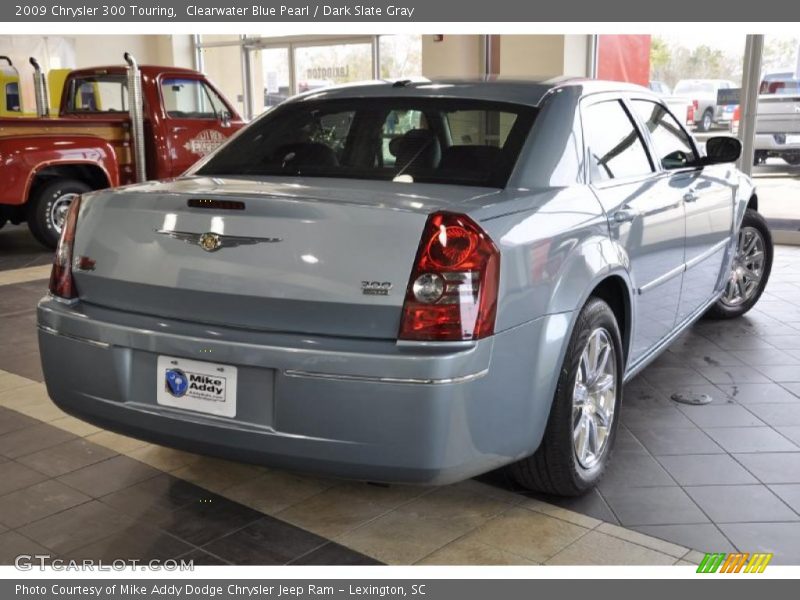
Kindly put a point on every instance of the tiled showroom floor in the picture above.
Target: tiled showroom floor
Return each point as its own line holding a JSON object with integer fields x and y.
{"x": 708, "y": 478}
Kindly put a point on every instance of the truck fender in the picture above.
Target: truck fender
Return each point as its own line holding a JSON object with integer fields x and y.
{"x": 24, "y": 158}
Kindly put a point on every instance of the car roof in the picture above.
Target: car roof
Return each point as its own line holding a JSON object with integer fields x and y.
{"x": 526, "y": 92}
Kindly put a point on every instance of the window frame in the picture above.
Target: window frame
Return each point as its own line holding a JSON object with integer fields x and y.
{"x": 649, "y": 138}
{"x": 75, "y": 83}
{"x": 591, "y": 100}
{"x": 202, "y": 80}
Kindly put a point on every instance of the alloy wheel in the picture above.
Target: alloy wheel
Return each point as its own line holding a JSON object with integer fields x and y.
{"x": 594, "y": 398}
{"x": 747, "y": 269}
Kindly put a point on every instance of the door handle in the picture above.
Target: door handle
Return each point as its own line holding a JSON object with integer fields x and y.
{"x": 178, "y": 128}
{"x": 690, "y": 196}
{"x": 625, "y": 215}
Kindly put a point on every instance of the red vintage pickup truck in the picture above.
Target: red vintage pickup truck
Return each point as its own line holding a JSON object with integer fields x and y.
{"x": 116, "y": 125}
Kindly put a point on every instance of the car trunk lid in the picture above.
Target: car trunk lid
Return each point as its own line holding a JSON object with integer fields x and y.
{"x": 326, "y": 257}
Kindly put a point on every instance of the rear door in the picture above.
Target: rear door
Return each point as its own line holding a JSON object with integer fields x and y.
{"x": 644, "y": 216}
{"x": 706, "y": 195}
{"x": 197, "y": 119}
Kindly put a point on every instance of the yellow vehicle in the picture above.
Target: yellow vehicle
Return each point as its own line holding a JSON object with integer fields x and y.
{"x": 11, "y": 90}
{"x": 10, "y": 98}
{"x": 55, "y": 86}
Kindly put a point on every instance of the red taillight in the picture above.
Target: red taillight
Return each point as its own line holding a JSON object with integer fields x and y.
{"x": 61, "y": 282}
{"x": 452, "y": 293}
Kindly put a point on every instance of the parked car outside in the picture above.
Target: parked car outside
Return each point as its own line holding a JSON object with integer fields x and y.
{"x": 778, "y": 118}
{"x": 471, "y": 295}
{"x": 703, "y": 94}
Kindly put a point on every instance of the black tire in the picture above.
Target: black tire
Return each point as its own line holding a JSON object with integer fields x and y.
{"x": 724, "y": 310}
{"x": 555, "y": 468}
{"x": 40, "y": 208}
{"x": 792, "y": 159}
{"x": 706, "y": 121}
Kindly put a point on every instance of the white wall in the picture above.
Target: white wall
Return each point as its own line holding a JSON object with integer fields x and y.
{"x": 454, "y": 56}
{"x": 525, "y": 56}
{"x": 92, "y": 50}
{"x": 537, "y": 56}
{"x": 52, "y": 52}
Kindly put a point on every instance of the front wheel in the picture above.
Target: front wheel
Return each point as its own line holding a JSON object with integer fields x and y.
{"x": 49, "y": 206}
{"x": 750, "y": 269}
{"x": 580, "y": 433}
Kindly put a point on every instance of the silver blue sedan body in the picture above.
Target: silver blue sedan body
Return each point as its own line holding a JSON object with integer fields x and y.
{"x": 259, "y": 311}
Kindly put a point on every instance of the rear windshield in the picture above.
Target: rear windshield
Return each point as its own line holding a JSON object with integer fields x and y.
{"x": 786, "y": 86}
{"x": 98, "y": 94}
{"x": 463, "y": 142}
{"x": 703, "y": 87}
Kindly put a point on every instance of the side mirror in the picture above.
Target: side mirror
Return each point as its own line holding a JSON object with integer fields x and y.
{"x": 722, "y": 149}
{"x": 225, "y": 118}
{"x": 675, "y": 160}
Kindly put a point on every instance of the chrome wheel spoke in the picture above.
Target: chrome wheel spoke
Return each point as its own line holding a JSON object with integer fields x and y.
{"x": 582, "y": 437}
{"x": 756, "y": 256}
{"x": 592, "y": 443}
{"x": 604, "y": 383}
{"x": 605, "y": 352}
{"x": 748, "y": 248}
{"x": 751, "y": 275}
{"x": 603, "y": 416}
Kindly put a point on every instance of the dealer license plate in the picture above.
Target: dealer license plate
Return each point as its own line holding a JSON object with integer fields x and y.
{"x": 196, "y": 385}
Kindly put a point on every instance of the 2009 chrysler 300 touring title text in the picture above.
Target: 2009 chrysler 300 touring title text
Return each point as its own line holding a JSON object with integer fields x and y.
{"x": 412, "y": 282}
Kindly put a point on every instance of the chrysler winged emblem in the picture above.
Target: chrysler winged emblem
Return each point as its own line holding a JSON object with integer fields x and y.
{"x": 211, "y": 242}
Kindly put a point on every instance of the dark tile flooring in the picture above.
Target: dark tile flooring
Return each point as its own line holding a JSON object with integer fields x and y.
{"x": 72, "y": 499}
{"x": 717, "y": 477}
{"x": 19, "y": 249}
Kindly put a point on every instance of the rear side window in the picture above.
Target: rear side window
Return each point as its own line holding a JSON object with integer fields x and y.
{"x": 190, "y": 99}
{"x": 615, "y": 147}
{"x": 12, "y": 97}
{"x": 672, "y": 144}
{"x": 98, "y": 94}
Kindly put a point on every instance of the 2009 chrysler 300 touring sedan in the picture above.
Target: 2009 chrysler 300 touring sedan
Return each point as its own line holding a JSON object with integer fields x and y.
{"x": 408, "y": 282}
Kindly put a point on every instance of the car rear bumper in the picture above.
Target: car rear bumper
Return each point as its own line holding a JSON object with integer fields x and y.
{"x": 374, "y": 410}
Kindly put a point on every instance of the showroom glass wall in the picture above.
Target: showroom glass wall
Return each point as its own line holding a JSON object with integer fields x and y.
{"x": 701, "y": 80}
{"x": 777, "y": 139}
{"x": 259, "y": 72}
